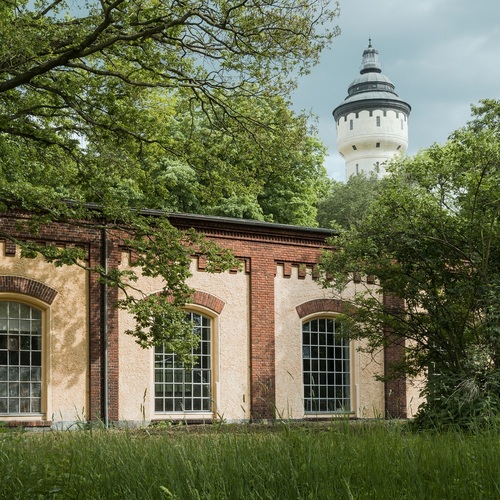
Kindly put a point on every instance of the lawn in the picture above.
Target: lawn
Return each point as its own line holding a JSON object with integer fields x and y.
{"x": 282, "y": 461}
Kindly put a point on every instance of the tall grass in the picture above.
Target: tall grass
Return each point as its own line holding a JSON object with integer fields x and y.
{"x": 341, "y": 461}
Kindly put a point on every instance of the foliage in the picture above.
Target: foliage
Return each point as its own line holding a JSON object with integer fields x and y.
{"x": 269, "y": 168}
{"x": 431, "y": 238}
{"x": 336, "y": 460}
{"x": 347, "y": 203}
{"x": 127, "y": 103}
{"x": 91, "y": 97}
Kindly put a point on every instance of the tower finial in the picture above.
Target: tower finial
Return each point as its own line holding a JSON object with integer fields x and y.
{"x": 369, "y": 63}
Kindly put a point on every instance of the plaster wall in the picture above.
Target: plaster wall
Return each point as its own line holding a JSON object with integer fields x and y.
{"x": 358, "y": 145}
{"x": 367, "y": 397}
{"x": 230, "y": 389}
{"x": 65, "y": 336}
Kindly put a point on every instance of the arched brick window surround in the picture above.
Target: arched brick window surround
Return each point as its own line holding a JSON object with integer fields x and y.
{"x": 209, "y": 301}
{"x": 322, "y": 305}
{"x": 26, "y": 286}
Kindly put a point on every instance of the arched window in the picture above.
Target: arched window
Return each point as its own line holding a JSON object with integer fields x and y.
{"x": 181, "y": 390}
{"x": 326, "y": 366}
{"x": 20, "y": 358}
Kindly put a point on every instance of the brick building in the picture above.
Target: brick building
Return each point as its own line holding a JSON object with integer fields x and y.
{"x": 271, "y": 343}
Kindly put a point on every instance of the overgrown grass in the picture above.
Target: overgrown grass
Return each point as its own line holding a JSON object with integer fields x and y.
{"x": 351, "y": 461}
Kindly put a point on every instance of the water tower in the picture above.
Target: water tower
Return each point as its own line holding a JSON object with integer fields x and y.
{"x": 372, "y": 121}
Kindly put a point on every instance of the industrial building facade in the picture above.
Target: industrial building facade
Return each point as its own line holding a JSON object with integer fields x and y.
{"x": 271, "y": 341}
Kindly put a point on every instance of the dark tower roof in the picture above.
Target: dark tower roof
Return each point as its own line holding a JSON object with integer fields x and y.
{"x": 371, "y": 90}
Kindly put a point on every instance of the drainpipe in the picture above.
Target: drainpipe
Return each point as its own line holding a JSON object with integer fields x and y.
{"x": 105, "y": 330}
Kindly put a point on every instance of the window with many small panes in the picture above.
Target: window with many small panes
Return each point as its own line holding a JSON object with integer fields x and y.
{"x": 20, "y": 358}
{"x": 326, "y": 366}
{"x": 178, "y": 389}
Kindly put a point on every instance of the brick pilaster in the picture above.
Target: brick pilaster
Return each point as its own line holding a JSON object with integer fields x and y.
{"x": 395, "y": 387}
{"x": 262, "y": 336}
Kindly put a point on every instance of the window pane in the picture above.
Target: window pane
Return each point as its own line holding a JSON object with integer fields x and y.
{"x": 25, "y": 311}
{"x": 36, "y": 405}
{"x": 191, "y": 390}
{"x": 36, "y": 390}
{"x": 13, "y": 405}
{"x": 36, "y": 358}
{"x": 326, "y": 376}
{"x": 14, "y": 309}
{"x": 24, "y": 390}
{"x": 25, "y": 325}
{"x": 25, "y": 342}
{"x": 20, "y": 349}
{"x": 14, "y": 374}
{"x": 36, "y": 374}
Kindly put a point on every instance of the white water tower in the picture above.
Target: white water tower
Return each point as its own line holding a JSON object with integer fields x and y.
{"x": 372, "y": 121}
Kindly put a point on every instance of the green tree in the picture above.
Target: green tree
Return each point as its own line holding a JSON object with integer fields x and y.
{"x": 88, "y": 104}
{"x": 270, "y": 168}
{"x": 347, "y": 203}
{"x": 432, "y": 239}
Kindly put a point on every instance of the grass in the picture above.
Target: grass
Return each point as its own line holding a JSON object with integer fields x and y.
{"x": 351, "y": 461}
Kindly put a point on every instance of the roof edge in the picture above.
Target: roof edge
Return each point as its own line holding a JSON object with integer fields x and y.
{"x": 370, "y": 105}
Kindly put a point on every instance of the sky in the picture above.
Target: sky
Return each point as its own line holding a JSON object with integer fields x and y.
{"x": 442, "y": 56}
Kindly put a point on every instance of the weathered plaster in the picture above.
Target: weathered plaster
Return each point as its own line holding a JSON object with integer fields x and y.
{"x": 65, "y": 345}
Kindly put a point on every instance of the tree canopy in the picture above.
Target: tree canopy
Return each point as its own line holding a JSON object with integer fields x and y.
{"x": 346, "y": 204}
{"x": 155, "y": 104}
{"x": 269, "y": 169}
{"x": 89, "y": 94}
{"x": 432, "y": 239}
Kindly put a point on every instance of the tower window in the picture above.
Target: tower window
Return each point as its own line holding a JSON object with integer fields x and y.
{"x": 357, "y": 168}
{"x": 377, "y": 145}
{"x": 351, "y": 124}
{"x": 354, "y": 147}
{"x": 401, "y": 124}
{"x": 399, "y": 147}
{"x": 371, "y": 113}
{"x": 385, "y": 112}
{"x": 397, "y": 114}
{"x": 378, "y": 121}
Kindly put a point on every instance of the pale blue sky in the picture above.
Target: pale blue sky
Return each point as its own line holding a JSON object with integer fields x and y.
{"x": 442, "y": 55}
